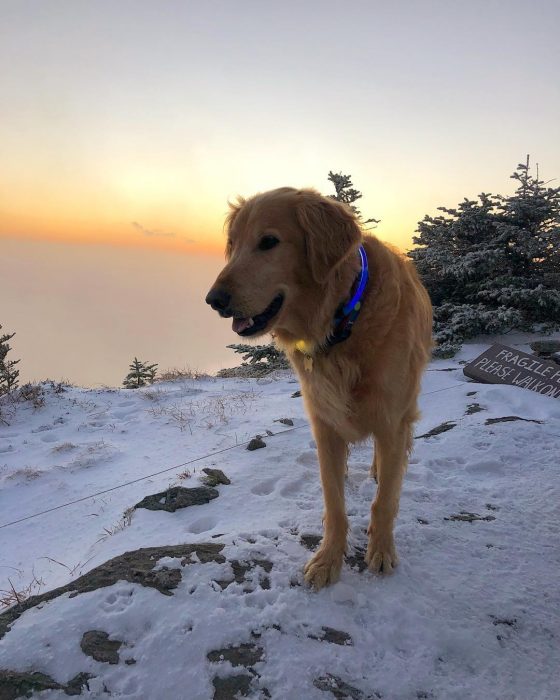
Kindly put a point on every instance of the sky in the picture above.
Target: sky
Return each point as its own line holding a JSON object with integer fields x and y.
{"x": 128, "y": 125}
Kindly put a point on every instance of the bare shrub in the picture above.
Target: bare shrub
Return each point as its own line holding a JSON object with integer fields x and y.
{"x": 7, "y": 409}
{"x": 28, "y": 473}
{"x": 154, "y": 395}
{"x": 174, "y": 373}
{"x": 64, "y": 447}
{"x": 34, "y": 393}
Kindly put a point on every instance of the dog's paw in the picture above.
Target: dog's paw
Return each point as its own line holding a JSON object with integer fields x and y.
{"x": 323, "y": 568}
{"x": 381, "y": 555}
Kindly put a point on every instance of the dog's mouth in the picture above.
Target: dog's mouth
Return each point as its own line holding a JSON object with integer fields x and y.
{"x": 256, "y": 324}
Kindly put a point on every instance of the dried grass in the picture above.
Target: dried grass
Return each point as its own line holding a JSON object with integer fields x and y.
{"x": 207, "y": 412}
{"x": 176, "y": 373}
{"x": 13, "y": 595}
{"x": 124, "y": 521}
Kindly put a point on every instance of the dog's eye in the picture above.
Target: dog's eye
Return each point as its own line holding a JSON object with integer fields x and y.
{"x": 268, "y": 242}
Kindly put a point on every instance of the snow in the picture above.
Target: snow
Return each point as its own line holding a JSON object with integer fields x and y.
{"x": 473, "y": 610}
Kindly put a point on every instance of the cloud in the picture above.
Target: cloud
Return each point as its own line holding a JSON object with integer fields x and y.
{"x": 150, "y": 233}
{"x": 159, "y": 234}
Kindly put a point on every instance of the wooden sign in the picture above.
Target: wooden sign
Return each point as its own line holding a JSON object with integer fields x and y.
{"x": 501, "y": 364}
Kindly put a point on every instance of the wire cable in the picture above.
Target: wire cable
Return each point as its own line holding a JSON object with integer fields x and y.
{"x": 175, "y": 466}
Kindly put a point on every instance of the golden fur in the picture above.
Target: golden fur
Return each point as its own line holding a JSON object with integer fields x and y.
{"x": 365, "y": 386}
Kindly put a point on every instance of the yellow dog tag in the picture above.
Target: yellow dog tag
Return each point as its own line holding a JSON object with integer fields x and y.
{"x": 304, "y": 347}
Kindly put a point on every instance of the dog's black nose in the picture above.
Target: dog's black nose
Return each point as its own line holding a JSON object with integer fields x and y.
{"x": 219, "y": 300}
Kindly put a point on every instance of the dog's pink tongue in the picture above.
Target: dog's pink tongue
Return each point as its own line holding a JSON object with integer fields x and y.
{"x": 240, "y": 324}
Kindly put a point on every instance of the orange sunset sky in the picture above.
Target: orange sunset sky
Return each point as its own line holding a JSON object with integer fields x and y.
{"x": 128, "y": 125}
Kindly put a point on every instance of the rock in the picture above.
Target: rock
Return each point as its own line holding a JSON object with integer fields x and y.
{"x": 178, "y": 497}
{"x": 97, "y": 644}
{"x": 509, "y": 621}
{"x": 76, "y": 685}
{"x": 214, "y": 477}
{"x": 473, "y": 408}
{"x": 240, "y": 569}
{"x": 442, "y": 428}
{"x": 340, "y": 689}
{"x": 22, "y": 685}
{"x": 14, "y": 684}
{"x": 544, "y": 348}
{"x": 509, "y": 419}
{"x": 310, "y": 541}
{"x": 240, "y": 655}
{"x": 284, "y": 421}
{"x": 232, "y": 686}
{"x": 256, "y": 443}
{"x": 465, "y": 516}
{"x": 356, "y": 560}
{"x": 135, "y": 567}
{"x": 329, "y": 634}
{"x": 296, "y": 394}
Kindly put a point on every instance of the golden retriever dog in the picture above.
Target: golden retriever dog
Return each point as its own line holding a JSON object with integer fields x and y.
{"x": 294, "y": 260}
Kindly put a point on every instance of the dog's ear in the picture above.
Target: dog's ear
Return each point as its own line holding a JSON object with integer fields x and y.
{"x": 331, "y": 232}
{"x": 234, "y": 209}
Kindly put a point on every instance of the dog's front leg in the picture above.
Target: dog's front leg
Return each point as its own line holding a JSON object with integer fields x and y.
{"x": 390, "y": 459}
{"x": 324, "y": 567}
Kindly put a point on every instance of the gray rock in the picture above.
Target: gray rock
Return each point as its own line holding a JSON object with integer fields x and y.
{"x": 178, "y": 497}
{"x": 214, "y": 477}
{"x": 284, "y": 421}
{"x": 135, "y": 567}
{"x": 442, "y": 428}
{"x": 241, "y": 568}
{"x": 232, "y": 687}
{"x": 240, "y": 655}
{"x": 466, "y": 517}
{"x": 14, "y": 684}
{"x": 256, "y": 443}
{"x": 329, "y": 634}
{"x": 97, "y": 644}
{"x": 509, "y": 419}
{"x": 340, "y": 689}
{"x": 545, "y": 347}
{"x": 310, "y": 541}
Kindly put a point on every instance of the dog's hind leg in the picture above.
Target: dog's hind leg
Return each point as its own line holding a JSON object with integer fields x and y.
{"x": 324, "y": 567}
{"x": 373, "y": 470}
{"x": 391, "y": 460}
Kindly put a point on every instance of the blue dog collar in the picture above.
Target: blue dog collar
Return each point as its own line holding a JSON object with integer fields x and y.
{"x": 347, "y": 313}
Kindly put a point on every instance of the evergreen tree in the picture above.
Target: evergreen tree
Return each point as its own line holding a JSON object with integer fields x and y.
{"x": 8, "y": 374}
{"x": 140, "y": 374}
{"x": 266, "y": 357}
{"x": 345, "y": 193}
{"x": 493, "y": 264}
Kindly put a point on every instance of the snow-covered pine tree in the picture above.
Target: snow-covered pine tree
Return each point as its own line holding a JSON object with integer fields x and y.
{"x": 493, "y": 264}
{"x": 140, "y": 374}
{"x": 8, "y": 374}
{"x": 345, "y": 193}
{"x": 266, "y": 357}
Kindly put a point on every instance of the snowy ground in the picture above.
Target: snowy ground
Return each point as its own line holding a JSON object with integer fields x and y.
{"x": 473, "y": 611}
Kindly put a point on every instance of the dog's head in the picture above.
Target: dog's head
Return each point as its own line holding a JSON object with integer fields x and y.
{"x": 279, "y": 244}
